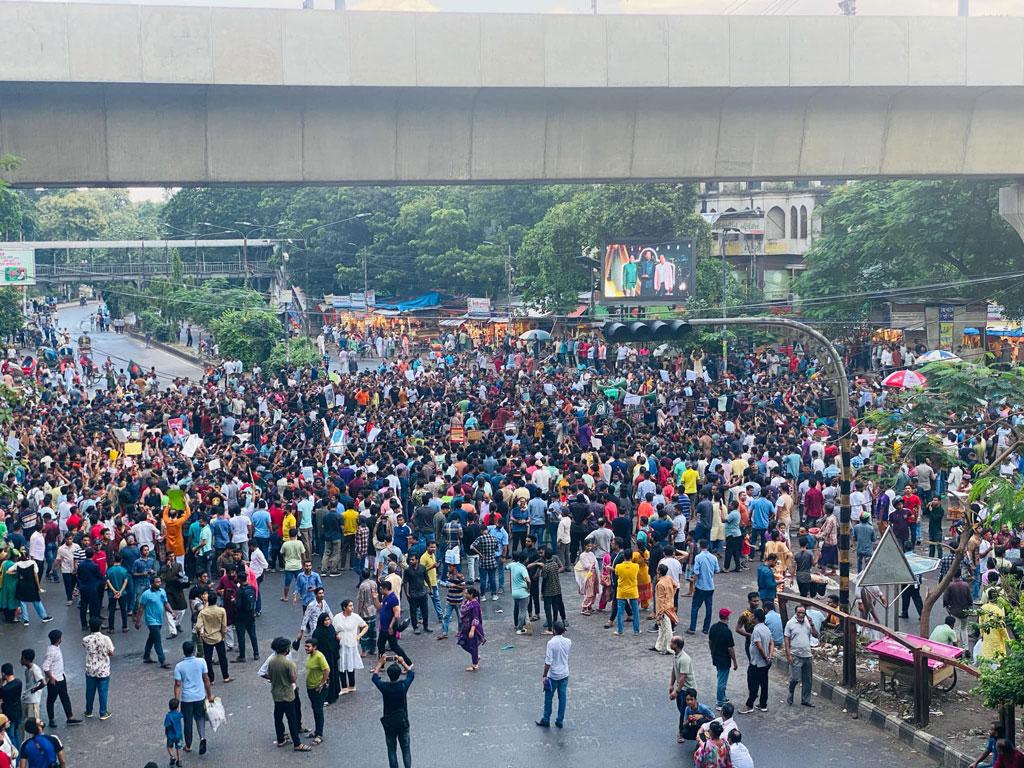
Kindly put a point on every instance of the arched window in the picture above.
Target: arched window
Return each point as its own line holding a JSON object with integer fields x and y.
{"x": 793, "y": 223}
{"x": 803, "y": 222}
{"x": 776, "y": 223}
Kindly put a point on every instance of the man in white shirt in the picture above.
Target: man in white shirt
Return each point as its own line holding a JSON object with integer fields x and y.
{"x": 56, "y": 682}
{"x": 145, "y": 533}
{"x": 241, "y": 531}
{"x": 860, "y": 501}
{"x": 556, "y": 675}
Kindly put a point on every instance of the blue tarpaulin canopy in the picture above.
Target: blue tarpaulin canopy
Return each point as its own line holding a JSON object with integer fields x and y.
{"x": 426, "y": 301}
{"x": 971, "y": 332}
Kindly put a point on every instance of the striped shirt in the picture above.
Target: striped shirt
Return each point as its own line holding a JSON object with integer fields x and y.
{"x": 456, "y": 590}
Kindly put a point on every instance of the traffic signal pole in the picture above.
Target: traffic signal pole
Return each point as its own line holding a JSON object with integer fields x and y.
{"x": 668, "y": 330}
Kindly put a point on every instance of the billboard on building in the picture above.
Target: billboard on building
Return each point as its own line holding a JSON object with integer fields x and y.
{"x": 17, "y": 266}
{"x": 478, "y": 307}
{"x": 642, "y": 271}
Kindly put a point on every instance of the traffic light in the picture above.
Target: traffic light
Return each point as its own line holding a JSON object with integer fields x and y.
{"x": 645, "y": 330}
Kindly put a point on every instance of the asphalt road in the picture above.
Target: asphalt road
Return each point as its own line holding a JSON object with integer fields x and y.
{"x": 618, "y": 703}
{"x": 122, "y": 348}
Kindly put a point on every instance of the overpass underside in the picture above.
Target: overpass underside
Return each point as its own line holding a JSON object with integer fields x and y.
{"x": 149, "y": 134}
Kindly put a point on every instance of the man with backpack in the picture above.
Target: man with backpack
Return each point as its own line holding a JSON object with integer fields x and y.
{"x": 40, "y": 750}
{"x": 245, "y": 615}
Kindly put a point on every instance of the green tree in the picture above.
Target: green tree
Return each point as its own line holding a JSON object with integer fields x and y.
{"x": 247, "y": 334}
{"x": 547, "y": 268}
{"x": 11, "y": 318}
{"x": 11, "y": 209}
{"x": 882, "y": 235}
{"x": 957, "y": 396}
{"x": 297, "y": 353}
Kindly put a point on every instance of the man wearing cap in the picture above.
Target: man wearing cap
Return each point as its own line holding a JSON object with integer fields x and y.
{"x": 723, "y": 654}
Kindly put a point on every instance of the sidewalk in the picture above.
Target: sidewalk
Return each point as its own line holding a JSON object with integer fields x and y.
{"x": 176, "y": 348}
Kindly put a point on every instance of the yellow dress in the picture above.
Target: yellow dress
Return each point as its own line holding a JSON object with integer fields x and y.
{"x": 643, "y": 579}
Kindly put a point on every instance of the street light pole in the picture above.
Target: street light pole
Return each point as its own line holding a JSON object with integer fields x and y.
{"x": 841, "y": 390}
{"x": 725, "y": 291}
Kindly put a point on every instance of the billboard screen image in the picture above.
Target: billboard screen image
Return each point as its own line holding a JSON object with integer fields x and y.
{"x": 638, "y": 271}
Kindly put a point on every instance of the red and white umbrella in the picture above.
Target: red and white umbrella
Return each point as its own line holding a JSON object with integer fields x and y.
{"x": 904, "y": 380}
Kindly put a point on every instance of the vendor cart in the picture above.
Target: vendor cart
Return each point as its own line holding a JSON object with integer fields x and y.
{"x": 896, "y": 662}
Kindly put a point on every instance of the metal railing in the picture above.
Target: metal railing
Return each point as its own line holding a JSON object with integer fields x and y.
{"x": 90, "y": 271}
{"x": 920, "y": 653}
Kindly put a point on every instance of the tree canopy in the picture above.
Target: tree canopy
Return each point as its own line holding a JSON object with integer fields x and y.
{"x": 882, "y": 235}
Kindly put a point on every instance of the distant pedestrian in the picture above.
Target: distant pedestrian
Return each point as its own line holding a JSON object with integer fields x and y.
{"x": 762, "y": 653}
{"x": 32, "y": 689}
{"x": 556, "y": 675}
{"x": 471, "y": 628}
{"x": 723, "y": 654}
{"x": 152, "y": 606}
{"x": 798, "y": 633}
{"x": 56, "y": 682}
{"x": 283, "y": 677}
{"x": 192, "y": 688}
{"x": 98, "y": 651}
{"x": 395, "y": 719}
{"x": 173, "y": 731}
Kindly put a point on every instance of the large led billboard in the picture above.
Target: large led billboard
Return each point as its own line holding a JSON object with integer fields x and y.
{"x": 642, "y": 271}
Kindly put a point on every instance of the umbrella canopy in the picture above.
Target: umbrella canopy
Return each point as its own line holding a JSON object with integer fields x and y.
{"x": 904, "y": 380}
{"x": 535, "y": 335}
{"x": 938, "y": 356}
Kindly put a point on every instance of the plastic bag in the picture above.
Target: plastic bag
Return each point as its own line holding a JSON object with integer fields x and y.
{"x": 215, "y": 714}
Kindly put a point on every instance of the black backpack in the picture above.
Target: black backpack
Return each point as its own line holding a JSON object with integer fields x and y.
{"x": 246, "y": 603}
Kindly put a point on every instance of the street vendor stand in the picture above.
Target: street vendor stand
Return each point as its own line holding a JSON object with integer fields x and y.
{"x": 896, "y": 662}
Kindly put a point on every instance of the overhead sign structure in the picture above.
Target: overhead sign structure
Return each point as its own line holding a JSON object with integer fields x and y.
{"x": 17, "y": 266}
{"x": 647, "y": 271}
{"x": 888, "y": 565}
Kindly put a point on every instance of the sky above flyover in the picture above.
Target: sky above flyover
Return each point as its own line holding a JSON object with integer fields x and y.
{"x": 744, "y": 7}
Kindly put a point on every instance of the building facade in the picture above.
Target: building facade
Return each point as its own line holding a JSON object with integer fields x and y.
{"x": 768, "y": 227}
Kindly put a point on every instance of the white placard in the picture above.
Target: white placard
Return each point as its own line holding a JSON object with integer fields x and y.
{"x": 192, "y": 444}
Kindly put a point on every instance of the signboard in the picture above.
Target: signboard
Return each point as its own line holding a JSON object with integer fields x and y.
{"x": 946, "y": 312}
{"x": 945, "y": 335}
{"x": 647, "y": 271}
{"x": 176, "y": 427}
{"x": 358, "y": 300}
{"x": 888, "y": 565}
{"x": 994, "y": 313}
{"x": 17, "y": 266}
{"x": 478, "y": 307}
{"x": 457, "y": 435}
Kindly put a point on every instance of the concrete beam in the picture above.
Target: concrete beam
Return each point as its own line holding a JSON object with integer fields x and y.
{"x": 59, "y": 42}
{"x": 85, "y": 134}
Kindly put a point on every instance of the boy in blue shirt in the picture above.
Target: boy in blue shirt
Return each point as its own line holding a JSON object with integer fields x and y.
{"x": 174, "y": 729}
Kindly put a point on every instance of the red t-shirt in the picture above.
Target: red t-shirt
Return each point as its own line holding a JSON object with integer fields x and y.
{"x": 276, "y": 519}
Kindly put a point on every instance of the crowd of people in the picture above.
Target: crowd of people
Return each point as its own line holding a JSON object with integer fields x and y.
{"x": 443, "y": 483}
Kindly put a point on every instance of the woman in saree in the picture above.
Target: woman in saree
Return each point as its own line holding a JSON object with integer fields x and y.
{"x": 326, "y": 636}
{"x": 606, "y": 582}
{"x": 586, "y": 578}
{"x": 471, "y": 628}
{"x": 8, "y": 582}
{"x": 778, "y": 547}
{"x": 641, "y": 556}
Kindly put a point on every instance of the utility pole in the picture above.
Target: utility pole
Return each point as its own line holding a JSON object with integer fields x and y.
{"x": 245, "y": 260}
{"x": 508, "y": 273}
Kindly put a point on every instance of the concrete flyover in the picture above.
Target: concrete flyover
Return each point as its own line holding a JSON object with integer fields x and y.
{"x": 128, "y": 94}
